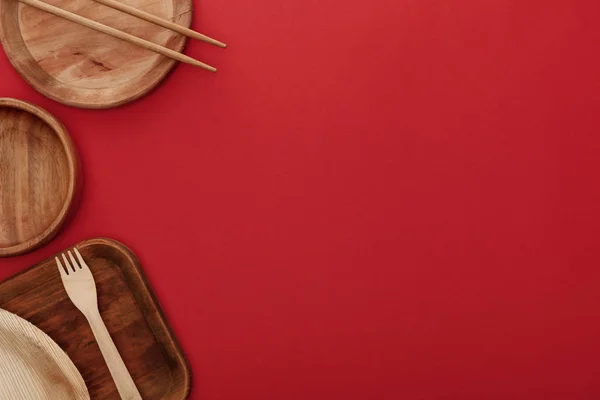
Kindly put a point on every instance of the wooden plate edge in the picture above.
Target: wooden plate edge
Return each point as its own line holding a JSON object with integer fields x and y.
{"x": 170, "y": 66}
{"x": 149, "y": 294}
{"x": 74, "y": 177}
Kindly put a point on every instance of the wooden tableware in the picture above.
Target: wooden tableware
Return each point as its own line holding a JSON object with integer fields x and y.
{"x": 39, "y": 175}
{"x": 81, "y": 67}
{"x": 79, "y": 284}
{"x": 33, "y": 366}
{"x": 131, "y": 314}
{"x": 89, "y": 23}
{"x": 165, "y": 23}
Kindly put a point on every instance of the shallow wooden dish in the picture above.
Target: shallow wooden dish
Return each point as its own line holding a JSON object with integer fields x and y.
{"x": 80, "y": 67}
{"x": 38, "y": 176}
{"x": 129, "y": 309}
{"x": 33, "y": 366}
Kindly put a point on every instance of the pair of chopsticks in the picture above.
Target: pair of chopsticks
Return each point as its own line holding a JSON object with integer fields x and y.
{"x": 59, "y": 12}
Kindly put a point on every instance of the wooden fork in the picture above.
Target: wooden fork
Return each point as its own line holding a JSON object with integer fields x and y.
{"x": 80, "y": 286}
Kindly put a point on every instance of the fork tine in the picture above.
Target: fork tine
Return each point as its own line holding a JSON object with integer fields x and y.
{"x": 67, "y": 262}
{"x": 73, "y": 262}
{"x": 63, "y": 271}
{"x": 82, "y": 263}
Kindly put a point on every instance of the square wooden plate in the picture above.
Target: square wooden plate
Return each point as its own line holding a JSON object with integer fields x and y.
{"x": 129, "y": 309}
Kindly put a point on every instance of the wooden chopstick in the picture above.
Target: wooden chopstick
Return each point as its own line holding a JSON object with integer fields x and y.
{"x": 117, "y": 5}
{"x": 59, "y": 12}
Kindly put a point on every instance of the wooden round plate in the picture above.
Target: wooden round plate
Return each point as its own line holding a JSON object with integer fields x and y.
{"x": 38, "y": 176}
{"x": 33, "y": 366}
{"x": 80, "y": 67}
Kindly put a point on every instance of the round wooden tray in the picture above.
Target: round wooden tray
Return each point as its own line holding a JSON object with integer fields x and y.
{"x": 80, "y": 67}
{"x": 33, "y": 366}
{"x": 38, "y": 176}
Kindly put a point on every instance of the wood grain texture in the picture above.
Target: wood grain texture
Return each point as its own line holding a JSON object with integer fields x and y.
{"x": 78, "y": 66}
{"x": 33, "y": 366}
{"x": 78, "y": 280}
{"x": 39, "y": 176}
{"x": 89, "y": 23}
{"x": 129, "y": 310}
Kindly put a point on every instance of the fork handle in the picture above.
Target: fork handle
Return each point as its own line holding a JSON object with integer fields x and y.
{"x": 116, "y": 366}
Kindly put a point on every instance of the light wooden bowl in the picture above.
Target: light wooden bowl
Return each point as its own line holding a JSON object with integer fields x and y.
{"x": 39, "y": 175}
{"x": 80, "y": 67}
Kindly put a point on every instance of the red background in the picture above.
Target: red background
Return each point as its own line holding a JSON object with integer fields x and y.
{"x": 390, "y": 199}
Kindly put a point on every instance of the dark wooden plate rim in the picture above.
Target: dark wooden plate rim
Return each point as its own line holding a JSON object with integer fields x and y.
{"x": 71, "y": 153}
{"x": 149, "y": 297}
{"x": 143, "y": 294}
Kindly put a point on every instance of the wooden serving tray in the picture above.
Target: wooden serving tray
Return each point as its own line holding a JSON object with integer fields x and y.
{"x": 129, "y": 309}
